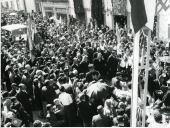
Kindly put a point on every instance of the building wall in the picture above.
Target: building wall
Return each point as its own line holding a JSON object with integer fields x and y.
{"x": 129, "y": 20}
{"x": 13, "y": 6}
{"x": 87, "y": 7}
{"x": 108, "y": 17}
{"x": 21, "y": 4}
{"x": 71, "y": 8}
{"x": 57, "y": 10}
{"x": 164, "y": 21}
{"x": 30, "y": 5}
{"x": 18, "y": 5}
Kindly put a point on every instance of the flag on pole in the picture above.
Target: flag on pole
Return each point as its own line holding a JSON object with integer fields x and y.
{"x": 118, "y": 33}
{"x": 60, "y": 20}
{"x": 29, "y": 37}
{"x": 142, "y": 13}
{"x": 29, "y": 33}
{"x": 138, "y": 14}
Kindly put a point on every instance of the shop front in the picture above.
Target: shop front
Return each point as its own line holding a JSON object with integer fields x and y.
{"x": 120, "y": 12}
{"x": 58, "y": 11}
{"x": 116, "y": 12}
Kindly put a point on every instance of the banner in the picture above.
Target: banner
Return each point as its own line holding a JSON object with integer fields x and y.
{"x": 29, "y": 33}
{"x": 78, "y": 6}
{"x": 138, "y": 14}
{"x": 97, "y": 11}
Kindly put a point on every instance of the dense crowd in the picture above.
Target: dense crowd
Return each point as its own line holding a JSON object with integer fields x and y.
{"x": 76, "y": 75}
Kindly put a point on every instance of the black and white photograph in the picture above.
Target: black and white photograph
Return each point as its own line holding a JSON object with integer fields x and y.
{"x": 85, "y": 63}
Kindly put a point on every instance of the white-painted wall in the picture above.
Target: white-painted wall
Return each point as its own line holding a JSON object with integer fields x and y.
{"x": 53, "y": 5}
{"x": 71, "y": 8}
{"x": 129, "y": 20}
{"x": 108, "y": 15}
{"x": 87, "y": 7}
{"x": 21, "y": 2}
{"x": 14, "y": 7}
{"x": 30, "y": 5}
{"x": 164, "y": 20}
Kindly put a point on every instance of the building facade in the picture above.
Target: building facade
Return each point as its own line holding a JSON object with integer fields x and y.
{"x": 163, "y": 20}
{"x": 110, "y": 13}
{"x": 55, "y": 8}
{"x": 18, "y": 5}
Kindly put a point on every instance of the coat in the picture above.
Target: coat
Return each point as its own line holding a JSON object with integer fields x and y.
{"x": 101, "y": 121}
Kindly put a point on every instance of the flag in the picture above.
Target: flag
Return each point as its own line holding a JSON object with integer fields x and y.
{"x": 138, "y": 14}
{"x": 162, "y": 5}
{"x": 29, "y": 37}
{"x": 118, "y": 33}
{"x": 29, "y": 33}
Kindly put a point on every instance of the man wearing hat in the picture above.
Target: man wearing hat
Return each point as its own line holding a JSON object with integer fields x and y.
{"x": 100, "y": 120}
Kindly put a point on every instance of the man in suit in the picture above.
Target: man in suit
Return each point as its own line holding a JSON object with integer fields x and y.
{"x": 100, "y": 120}
{"x": 112, "y": 65}
{"x": 24, "y": 98}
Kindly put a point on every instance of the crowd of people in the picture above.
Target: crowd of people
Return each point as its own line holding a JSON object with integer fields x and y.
{"x": 54, "y": 78}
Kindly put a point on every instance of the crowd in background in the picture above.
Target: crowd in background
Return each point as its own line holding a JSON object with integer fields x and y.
{"x": 66, "y": 60}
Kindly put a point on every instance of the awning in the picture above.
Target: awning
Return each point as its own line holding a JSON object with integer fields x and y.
{"x": 13, "y": 14}
{"x": 14, "y": 27}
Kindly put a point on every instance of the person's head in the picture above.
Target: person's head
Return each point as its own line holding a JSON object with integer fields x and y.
{"x": 28, "y": 67}
{"x": 47, "y": 82}
{"x": 122, "y": 105}
{"x": 37, "y": 123}
{"x": 56, "y": 101}
{"x": 113, "y": 53}
{"x": 90, "y": 67}
{"x": 95, "y": 75}
{"x": 26, "y": 73}
{"x": 5, "y": 94}
{"x": 49, "y": 107}
{"x": 108, "y": 103}
{"x": 168, "y": 70}
{"x": 46, "y": 124}
{"x": 99, "y": 55}
{"x": 100, "y": 109}
{"x": 162, "y": 78}
{"x": 157, "y": 116}
{"x": 85, "y": 58}
{"x": 14, "y": 86}
{"x": 62, "y": 89}
{"x": 22, "y": 87}
{"x": 75, "y": 60}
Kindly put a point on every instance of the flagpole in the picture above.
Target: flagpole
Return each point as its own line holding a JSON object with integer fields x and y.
{"x": 146, "y": 79}
{"x": 135, "y": 80}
